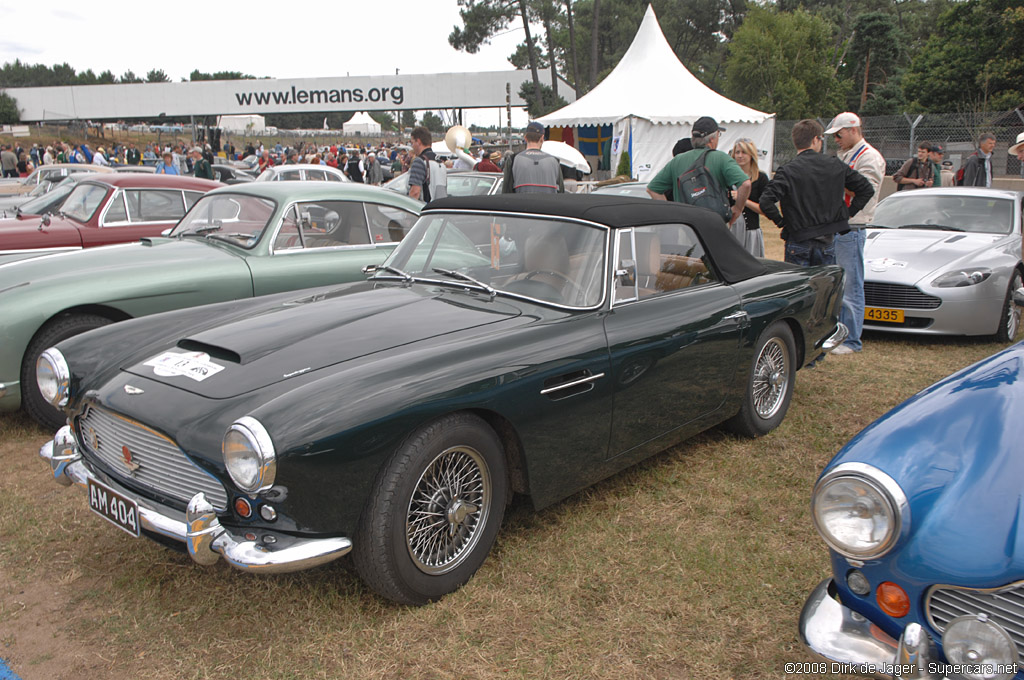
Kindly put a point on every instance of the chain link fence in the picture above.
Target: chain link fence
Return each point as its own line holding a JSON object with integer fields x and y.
{"x": 897, "y": 137}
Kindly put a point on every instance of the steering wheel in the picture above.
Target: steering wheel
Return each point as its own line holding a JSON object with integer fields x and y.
{"x": 574, "y": 288}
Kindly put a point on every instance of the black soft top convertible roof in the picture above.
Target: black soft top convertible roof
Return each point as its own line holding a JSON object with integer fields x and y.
{"x": 730, "y": 259}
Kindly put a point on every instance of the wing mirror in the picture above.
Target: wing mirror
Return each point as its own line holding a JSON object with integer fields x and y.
{"x": 1018, "y": 297}
{"x": 44, "y": 222}
{"x": 627, "y": 274}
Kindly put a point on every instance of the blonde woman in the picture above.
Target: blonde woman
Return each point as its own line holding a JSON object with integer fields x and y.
{"x": 747, "y": 228}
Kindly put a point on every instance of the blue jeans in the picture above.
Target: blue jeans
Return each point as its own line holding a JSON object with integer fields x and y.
{"x": 810, "y": 254}
{"x": 850, "y": 256}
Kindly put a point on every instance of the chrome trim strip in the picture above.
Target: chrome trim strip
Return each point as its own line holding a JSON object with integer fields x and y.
{"x": 199, "y": 527}
{"x": 836, "y": 339}
{"x": 53, "y": 249}
{"x": 574, "y": 383}
{"x": 59, "y": 254}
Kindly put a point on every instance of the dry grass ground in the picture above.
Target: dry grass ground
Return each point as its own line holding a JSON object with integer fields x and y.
{"x": 693, "y": 564}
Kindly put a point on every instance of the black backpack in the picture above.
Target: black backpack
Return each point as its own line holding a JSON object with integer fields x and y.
{"x": 698, "y": 187}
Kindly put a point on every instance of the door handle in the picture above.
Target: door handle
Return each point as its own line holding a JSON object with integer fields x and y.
{"x": 572, "y": 383}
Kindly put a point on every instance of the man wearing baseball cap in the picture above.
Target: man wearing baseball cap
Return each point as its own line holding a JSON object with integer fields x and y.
{"x": 1018, "y": 148}
{"x": 200, "y": 166}
{"x": 865, "y": 159}
{"x": 533, "y": 171}
{"x": 704, "y": 135}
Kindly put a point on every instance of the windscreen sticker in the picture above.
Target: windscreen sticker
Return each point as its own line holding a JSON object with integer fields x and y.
{"x": 883, "y": 263}
{"x": 194, "y": 365}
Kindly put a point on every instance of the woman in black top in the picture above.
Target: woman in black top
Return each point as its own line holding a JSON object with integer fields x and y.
{"x": 747, "y": 229}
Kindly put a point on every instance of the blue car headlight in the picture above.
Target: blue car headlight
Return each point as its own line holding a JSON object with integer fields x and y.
{"x": 249, "y": 455}
{"x": 962, "y": 277}
{"x": 53, "y": 377}
{"x": 860, "y": 511}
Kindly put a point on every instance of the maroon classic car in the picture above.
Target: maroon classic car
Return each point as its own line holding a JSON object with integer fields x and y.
{"x": 102, "y": 210}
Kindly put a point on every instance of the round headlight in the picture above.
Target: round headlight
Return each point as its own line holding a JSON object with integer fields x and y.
{"x": 859, "y": 511}
{"x": 249, "y": 455}
{"x": 980, "y": 648}
{"x": 53, "y": 377}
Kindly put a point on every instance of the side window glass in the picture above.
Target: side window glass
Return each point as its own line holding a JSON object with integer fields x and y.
{"x": 190, "y": 199}
{"x": 387, "y": 224}
{"x": 329, "y": 224}
{"x": 154, "y": 205}
{"x": 288, "y": 237}
{"x": 625, "y": 267}
{"x": 670, "y": 257}
{"x": 318, "y": 175}
{"x": 116, "y": 213}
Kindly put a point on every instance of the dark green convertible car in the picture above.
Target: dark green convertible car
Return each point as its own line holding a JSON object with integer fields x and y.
{"x": 529, "y": 344}
{"x": 236, "y": 242}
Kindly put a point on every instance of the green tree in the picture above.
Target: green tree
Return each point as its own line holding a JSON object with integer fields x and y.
{"x": 780, "y": 62}
{"x": 157, "y": 76}
{"x": 874, "y": 54}
{"x": 549, "y": 100}
{"x": 386, "y": 120}
{"x": 197, "y": 75}
{"x": 432, "y": 122}
{"x": 130, "y": 77}
{"x": 483, "y": 19}
{"x": 9, "y": 112}
{"x": 973, "y": 61}
{"x": 408, "y": 118}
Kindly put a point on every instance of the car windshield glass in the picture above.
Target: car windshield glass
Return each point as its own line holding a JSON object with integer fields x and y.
{"x": 549, "y": 260}
{"x": 232, "y": 217}
{"x": 981, "y": 214}
{"x": 83, "y": 201}
{"x": 48, "y": 201}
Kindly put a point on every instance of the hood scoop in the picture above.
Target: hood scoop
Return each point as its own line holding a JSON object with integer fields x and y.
{"x": 954, "y": 239}
{"x": 215, "y": 352}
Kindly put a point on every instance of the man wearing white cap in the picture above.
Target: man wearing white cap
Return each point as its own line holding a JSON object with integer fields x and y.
{"x": 865, "y": 159}
{"x": 1018, "y": 148}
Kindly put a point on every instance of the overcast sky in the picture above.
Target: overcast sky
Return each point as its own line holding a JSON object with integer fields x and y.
{"x": 279, "y": 40}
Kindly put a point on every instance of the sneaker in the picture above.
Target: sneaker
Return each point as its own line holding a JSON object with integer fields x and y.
{"x": 843, "y": 349}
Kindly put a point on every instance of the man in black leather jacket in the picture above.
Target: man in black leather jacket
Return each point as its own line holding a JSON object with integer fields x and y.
{"x": 811, "y": 189}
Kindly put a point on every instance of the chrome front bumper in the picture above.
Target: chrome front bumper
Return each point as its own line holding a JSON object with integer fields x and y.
{"x": 836, "y": 339}
{"x": 843, "y": 641}
{"x": 199, "y": 528}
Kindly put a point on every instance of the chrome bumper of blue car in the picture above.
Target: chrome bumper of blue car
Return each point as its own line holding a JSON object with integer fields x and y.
{"x": 843, "y": 641}
{"x": 836, "y": 339}
{"x": 199, "y": 528}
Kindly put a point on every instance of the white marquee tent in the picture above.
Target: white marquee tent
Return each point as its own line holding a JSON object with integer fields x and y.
{"x": 652, "y": 99}
{"x": 250, "y": 124}
{"x": 361, "y": 124}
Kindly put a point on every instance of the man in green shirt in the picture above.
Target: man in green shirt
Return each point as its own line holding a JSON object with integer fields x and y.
{"x": 935, "y": 156}
{"x": 200, "y": 166}
{"x": 705, "y": 134}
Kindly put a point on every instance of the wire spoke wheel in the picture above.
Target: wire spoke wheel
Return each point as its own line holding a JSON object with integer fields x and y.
{"x": 1013, "y": 311}
{"x": 771, "y": 378}
{"x": 448, "y": 510}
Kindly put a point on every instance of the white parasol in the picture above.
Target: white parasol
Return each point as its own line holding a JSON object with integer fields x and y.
{"x": 567, "y": 155}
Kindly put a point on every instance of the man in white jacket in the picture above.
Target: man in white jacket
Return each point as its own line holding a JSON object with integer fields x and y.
{"x": 865, "y": 159}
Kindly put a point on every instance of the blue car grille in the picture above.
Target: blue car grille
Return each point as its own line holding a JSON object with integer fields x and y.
{"x": 898, "y": 296}
{"x": 153, "y": 461}
{"x": 1004, "y": 606}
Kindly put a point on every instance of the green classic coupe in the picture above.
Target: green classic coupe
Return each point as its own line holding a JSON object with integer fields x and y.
{"x": 236, "y": 242}
{"x": 523, "y": 343}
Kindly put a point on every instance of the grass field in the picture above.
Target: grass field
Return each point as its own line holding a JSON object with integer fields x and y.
{"x": 694, "y": 564}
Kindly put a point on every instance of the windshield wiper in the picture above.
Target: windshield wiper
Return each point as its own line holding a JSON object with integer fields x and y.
{"x": 394, "y": 270}
{"x": 466, "y": 277}
{"x": 942, "y": 227}
{"x": 878, "y": 226}
{"x": 207, "y": 229}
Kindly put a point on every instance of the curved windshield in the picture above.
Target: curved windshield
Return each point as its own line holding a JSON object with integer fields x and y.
{"x": 543, "y": 259}
{"x": 234, "y": 218}
{"x": 913, "y": 210}
{"x": 83, "y": 201}
{"x": 48, "y": 201}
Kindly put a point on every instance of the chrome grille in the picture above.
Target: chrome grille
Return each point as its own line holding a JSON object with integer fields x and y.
{"x": 897, "y": 295}
{"x": 162, "y": 466}
{"x": 1004, "y": 606}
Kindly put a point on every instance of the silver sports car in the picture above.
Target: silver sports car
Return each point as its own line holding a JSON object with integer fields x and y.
{"x": 945, "y": 261}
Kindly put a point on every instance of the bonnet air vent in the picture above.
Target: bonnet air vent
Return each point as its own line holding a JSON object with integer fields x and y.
{"x": 214, "y": 351}
{"x": 954, "y": 239}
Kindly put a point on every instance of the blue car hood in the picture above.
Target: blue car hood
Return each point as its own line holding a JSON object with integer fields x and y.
{"x": 955, "y": 450}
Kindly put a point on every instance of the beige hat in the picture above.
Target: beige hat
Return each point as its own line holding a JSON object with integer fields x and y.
{"x": 1017, "y": 147}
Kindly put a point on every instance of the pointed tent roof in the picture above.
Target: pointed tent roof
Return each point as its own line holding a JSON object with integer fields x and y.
{"x": 361, "y": 118}
{"x": 650, "y": 82}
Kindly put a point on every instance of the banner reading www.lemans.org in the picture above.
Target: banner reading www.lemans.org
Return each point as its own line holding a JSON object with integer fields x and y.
{"x": 226, "y": 97}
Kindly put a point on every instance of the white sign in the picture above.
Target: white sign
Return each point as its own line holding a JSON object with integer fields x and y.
{"x": 194, "y": 365}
